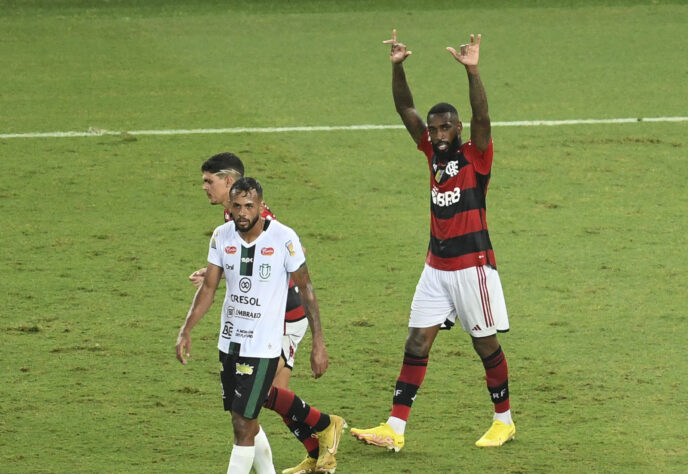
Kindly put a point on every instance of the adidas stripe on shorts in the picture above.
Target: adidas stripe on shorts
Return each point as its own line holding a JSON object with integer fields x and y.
{"x": 472, "y": 295}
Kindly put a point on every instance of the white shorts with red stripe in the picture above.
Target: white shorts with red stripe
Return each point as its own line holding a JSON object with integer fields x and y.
{"x": 293, "y": 333}
{"x": 474, "y": 295}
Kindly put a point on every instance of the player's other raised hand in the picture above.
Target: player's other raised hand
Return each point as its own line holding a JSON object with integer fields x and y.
{"x": 468, "y": 54}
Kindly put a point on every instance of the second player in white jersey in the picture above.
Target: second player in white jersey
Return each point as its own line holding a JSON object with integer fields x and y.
{"x": 256, "y": 272}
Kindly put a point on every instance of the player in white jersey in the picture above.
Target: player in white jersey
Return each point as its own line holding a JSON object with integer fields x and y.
{"x": 257, "y": 257}
{"x": 220, "y": 171}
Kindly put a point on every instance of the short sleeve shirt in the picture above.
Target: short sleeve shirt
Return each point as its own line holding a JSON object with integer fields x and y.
{"x": 257, "y": 276}
{"x": 458, "y": 218}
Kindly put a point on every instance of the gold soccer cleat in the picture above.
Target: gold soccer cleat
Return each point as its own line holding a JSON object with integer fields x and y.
{"x": 307, "y": 466}
{"x": 383, "y": 436}
{"x": 498, "y": 434}
{"x": 329, "y": 441}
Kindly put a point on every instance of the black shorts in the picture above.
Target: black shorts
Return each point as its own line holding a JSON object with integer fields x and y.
{"x": 246, "y": 382}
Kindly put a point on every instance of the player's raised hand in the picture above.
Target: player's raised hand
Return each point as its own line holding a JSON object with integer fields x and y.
{"x": 398, "y": 53}
{"x": 468, "y": 54}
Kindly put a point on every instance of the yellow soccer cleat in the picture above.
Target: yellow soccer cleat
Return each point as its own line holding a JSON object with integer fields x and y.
{"x": 383, "y": 436}
{"x": 307, "y": 466}
{"x": 329, "y": 439}
{"x": 498, "y": 434}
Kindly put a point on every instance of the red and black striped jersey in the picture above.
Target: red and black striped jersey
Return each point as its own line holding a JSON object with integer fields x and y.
{"x": 294, "y": 310}
{"x": 458, "y": 226}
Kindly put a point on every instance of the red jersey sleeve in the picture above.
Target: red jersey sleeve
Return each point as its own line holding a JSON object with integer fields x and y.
{"x": 425, "y": 145}
{"x": 481, "y": 160}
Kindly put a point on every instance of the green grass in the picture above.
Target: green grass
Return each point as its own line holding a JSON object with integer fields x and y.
{"x": 99, "y": 234}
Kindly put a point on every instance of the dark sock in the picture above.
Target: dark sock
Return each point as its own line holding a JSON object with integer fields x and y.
{"x": 286, "y": 403}
{"x": 497, "y": 377}
{"x": 410, "y": 379}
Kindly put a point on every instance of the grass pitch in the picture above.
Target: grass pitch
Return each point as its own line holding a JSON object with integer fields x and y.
{"x": 99, "y": 233}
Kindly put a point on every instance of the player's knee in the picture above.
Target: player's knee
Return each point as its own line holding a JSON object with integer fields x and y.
{"x": 485, "y": 346}
{"x": 418, "y": 344}
{"x": 245, "y": 429}
{"x": 282, "y": 377}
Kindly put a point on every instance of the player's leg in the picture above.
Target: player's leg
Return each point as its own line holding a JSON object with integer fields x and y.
{"x": 430, "y": 308}
{"x": 243, "y": 451}
{"x": 412, "y": 374}
{"x": 262, "y": 461}
{"x": 241, "y": 457}
{"x": 496, "y": 375}
{"x": 245, "y": 429}
{"x": 413, "y": 368}
{"x": 244, "y": 456}
{"x": 293, "y": 334}
{"x": 301, "y": 431}
{"x": 252, "y": 381}
{"x": 283, "y": 375}
{"x": 482, "y": 313}
{"x": 328, "y": 428}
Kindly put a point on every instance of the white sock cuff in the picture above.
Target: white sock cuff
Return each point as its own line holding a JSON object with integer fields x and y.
{"x": 397, "y": 424}
{"x": 261, "y": 434}
{"x": 504, "y": 417}
{"x": 241, "y": 459}
{"x": 243, "y": 450}
{"x": 262, "y": 462}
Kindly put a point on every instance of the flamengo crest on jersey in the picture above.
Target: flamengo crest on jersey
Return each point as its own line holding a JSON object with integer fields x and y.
{"x": 257, "y": 277}
{"x": 458, "y": 226}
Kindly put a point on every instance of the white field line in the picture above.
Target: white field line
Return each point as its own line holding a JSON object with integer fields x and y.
{"x": 93, "y": 132}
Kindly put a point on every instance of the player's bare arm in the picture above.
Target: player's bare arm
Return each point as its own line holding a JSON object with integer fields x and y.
{"x": 319, "y": 360}
{"x": 469, "y": 55}
{"x": 403, "y": 99}
{"x": 201, "y": 303}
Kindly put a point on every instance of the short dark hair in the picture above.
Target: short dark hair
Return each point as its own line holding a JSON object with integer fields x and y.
{"x": 245, "y": 185}
{"x": 443, "y": 108}
{"x": 223, "y": 162}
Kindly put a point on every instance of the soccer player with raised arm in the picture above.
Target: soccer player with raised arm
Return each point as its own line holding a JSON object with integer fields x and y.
{"x": 460, "y": 279}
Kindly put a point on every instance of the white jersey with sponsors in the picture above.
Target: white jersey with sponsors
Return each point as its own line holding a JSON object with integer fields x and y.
{"x": 257, "y": 282}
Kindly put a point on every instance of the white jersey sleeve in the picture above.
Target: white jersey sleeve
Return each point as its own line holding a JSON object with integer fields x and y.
{"x": 215, "y": 255}
{"x": 294, "y": 256}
